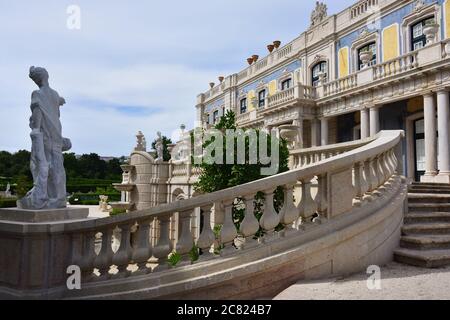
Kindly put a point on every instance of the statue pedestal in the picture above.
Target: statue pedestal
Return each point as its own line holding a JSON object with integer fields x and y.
{"x": 42, "y": 216}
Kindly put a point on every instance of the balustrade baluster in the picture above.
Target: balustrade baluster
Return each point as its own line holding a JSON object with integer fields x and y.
{"x": 123, "y": 256}
{"x": 142, "y": 248}
{"x": 207, "y": 237}
{"x": 185, "y": 239}
{"x": 88, "y": 256}
{"x": 360, "y": 184}
{"x": 228, "y": 232}
{"x": 162, "y": 247}
{"x": 289, "y": 212}
{"x": 250, "y": 225}
{"x": 104, "y": 259}
{"x": 307, "y": 206}
{"x": 270, "y": 219}
{"x": 321, "y": 198}
{"x": 370, "y": 177}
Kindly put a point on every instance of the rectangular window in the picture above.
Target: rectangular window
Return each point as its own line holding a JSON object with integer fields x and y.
{"x": 244, "y": 105}
{"x": 215, "y": 116}
{"x": 286, "y": 84}
{"x": 418, "y": 38}
{"x": 262, "y": 98}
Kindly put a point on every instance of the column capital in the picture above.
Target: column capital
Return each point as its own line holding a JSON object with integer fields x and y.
{"x": 429, "y": 93}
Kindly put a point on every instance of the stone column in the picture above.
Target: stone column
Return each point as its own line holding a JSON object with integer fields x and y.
{"x": 324, "y": 131}
{"x": 429, "y": 109}
{"x": 299, "y": 123}
{"x": 374, "y": 120}
{"x": 315, "y": 139}
{"x": 443, "y": 129}
{"x": 365, "y": 125}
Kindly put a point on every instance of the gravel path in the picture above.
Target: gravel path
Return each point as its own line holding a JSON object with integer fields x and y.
{"x": 398, "y": 282}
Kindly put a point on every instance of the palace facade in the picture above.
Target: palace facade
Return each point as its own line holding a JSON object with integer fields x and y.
{"x": 378, "y": 65}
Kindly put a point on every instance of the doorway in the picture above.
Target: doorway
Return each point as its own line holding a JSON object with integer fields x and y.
{"x": 419, "y": 148}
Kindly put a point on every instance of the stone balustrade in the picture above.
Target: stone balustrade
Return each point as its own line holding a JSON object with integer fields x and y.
{"x": 341, "y": 85}
{"x": 304, "y": 157}
{"x": 143, "y": 242}
{"x": 289, "y": 96}
{"x": 395, "y": 66}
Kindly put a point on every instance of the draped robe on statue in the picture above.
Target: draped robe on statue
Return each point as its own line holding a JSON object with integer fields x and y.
{"x": 47, "y": 162}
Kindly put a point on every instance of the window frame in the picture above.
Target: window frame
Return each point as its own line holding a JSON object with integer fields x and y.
{"x": 315, "y": 79}
{"x": 283, "y": 83}
{"x": 374, "y": 51}
{"x": 243, "y": 103}
{"x": 262, "y": 102}
{"x": 422, "y": 39}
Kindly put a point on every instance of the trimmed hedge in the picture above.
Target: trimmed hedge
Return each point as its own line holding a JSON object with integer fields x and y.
{"x": 8, "y": 203}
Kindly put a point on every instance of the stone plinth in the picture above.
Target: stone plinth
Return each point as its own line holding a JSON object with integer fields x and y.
{"x": 40, "y": 216}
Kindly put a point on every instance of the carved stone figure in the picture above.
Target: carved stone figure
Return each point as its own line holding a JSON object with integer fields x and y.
{"x": 319, "y": 14}
{"x": 140, "y": 143}
{"x": 47, "y": 162}
{"x": 8, "y": 191}
{"x": 159, "y": 147}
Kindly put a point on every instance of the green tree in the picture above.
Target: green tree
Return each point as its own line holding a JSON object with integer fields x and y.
{"x": 215, "y": 177}
{"x": 166, "y": 142}
{"x": 24, "y": 184}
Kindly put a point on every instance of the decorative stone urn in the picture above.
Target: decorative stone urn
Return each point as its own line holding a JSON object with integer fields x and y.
{"x": 221, "y": 79}
{"x": 366, "y": 57}
{"x": 290, "y": 133}
{"x": 212, "y": 84}
{"x": 277, "y": 44}
{"x": 250, "y": 61}
{"x": 255, "y": 57}
{"x": 430, "y": 31}
{"x": 270, "y": 47}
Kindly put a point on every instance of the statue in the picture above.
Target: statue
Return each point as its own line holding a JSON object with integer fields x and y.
{"x": 47, "y": 145}
{"x": 159, "y": 147}
{"x": 319, "y": 14}
{"x": 8, "y": 191}
{"x": 141, "y": 143}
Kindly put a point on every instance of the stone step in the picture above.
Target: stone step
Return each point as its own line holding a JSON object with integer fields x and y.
{"x": 430, "y": 184}
{"x": 424, "y": 217}
{"x": 429, "y": 207}
{"x": 428, "y": 198}
{"x": 436, "y": 228}
{"x": 429, "y": 191}
{"x": 425, "y": 259}
{"x": 437, "y": 242}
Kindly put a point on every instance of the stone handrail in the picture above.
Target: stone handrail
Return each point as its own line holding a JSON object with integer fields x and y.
{"x": 344, "y": 181}
{"x": 303, "y": 157}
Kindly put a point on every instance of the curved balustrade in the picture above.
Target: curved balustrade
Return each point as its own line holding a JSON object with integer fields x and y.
{"x": 303, "y": 157}
{"x": 370, "y": 167}
{"x": 142, "y": 239}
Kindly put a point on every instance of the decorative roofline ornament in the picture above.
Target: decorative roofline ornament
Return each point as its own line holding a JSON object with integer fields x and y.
{"x": 319, "y": 13}
{"x": 418, "y": 5}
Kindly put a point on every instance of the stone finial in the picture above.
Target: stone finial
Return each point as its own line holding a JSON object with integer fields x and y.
{"x": 140, "y": 142}
{"x": 319, "y": 13}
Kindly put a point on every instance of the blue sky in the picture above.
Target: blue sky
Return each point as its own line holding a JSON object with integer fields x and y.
{"x": 133, "y": 65}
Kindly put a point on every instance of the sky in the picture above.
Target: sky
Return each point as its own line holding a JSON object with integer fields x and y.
{"x": 132, "y": 65}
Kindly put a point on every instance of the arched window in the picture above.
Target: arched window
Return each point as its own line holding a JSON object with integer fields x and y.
{"x": 243, "y": 105}
{"x": 262, "y": 98}
{"x": 319, "y": 68}
{"x": 418, "y": 38}
{"x": 371, "y": 47}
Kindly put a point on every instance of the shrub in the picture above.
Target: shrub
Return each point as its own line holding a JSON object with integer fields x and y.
{"x": 116, "y": 212}
{"x": 8, "y": 203}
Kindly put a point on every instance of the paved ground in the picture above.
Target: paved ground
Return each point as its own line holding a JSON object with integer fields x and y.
{"x": 398, "y": 282}
{"x": 94, "y": 211}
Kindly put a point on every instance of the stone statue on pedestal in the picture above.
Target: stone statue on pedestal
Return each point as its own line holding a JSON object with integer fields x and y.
{"x": 47, "y": 162}
{"x": 159, "y": 147}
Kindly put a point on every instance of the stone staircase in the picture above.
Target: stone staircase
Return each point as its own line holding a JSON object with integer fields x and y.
{"x": 425, "y": 240}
